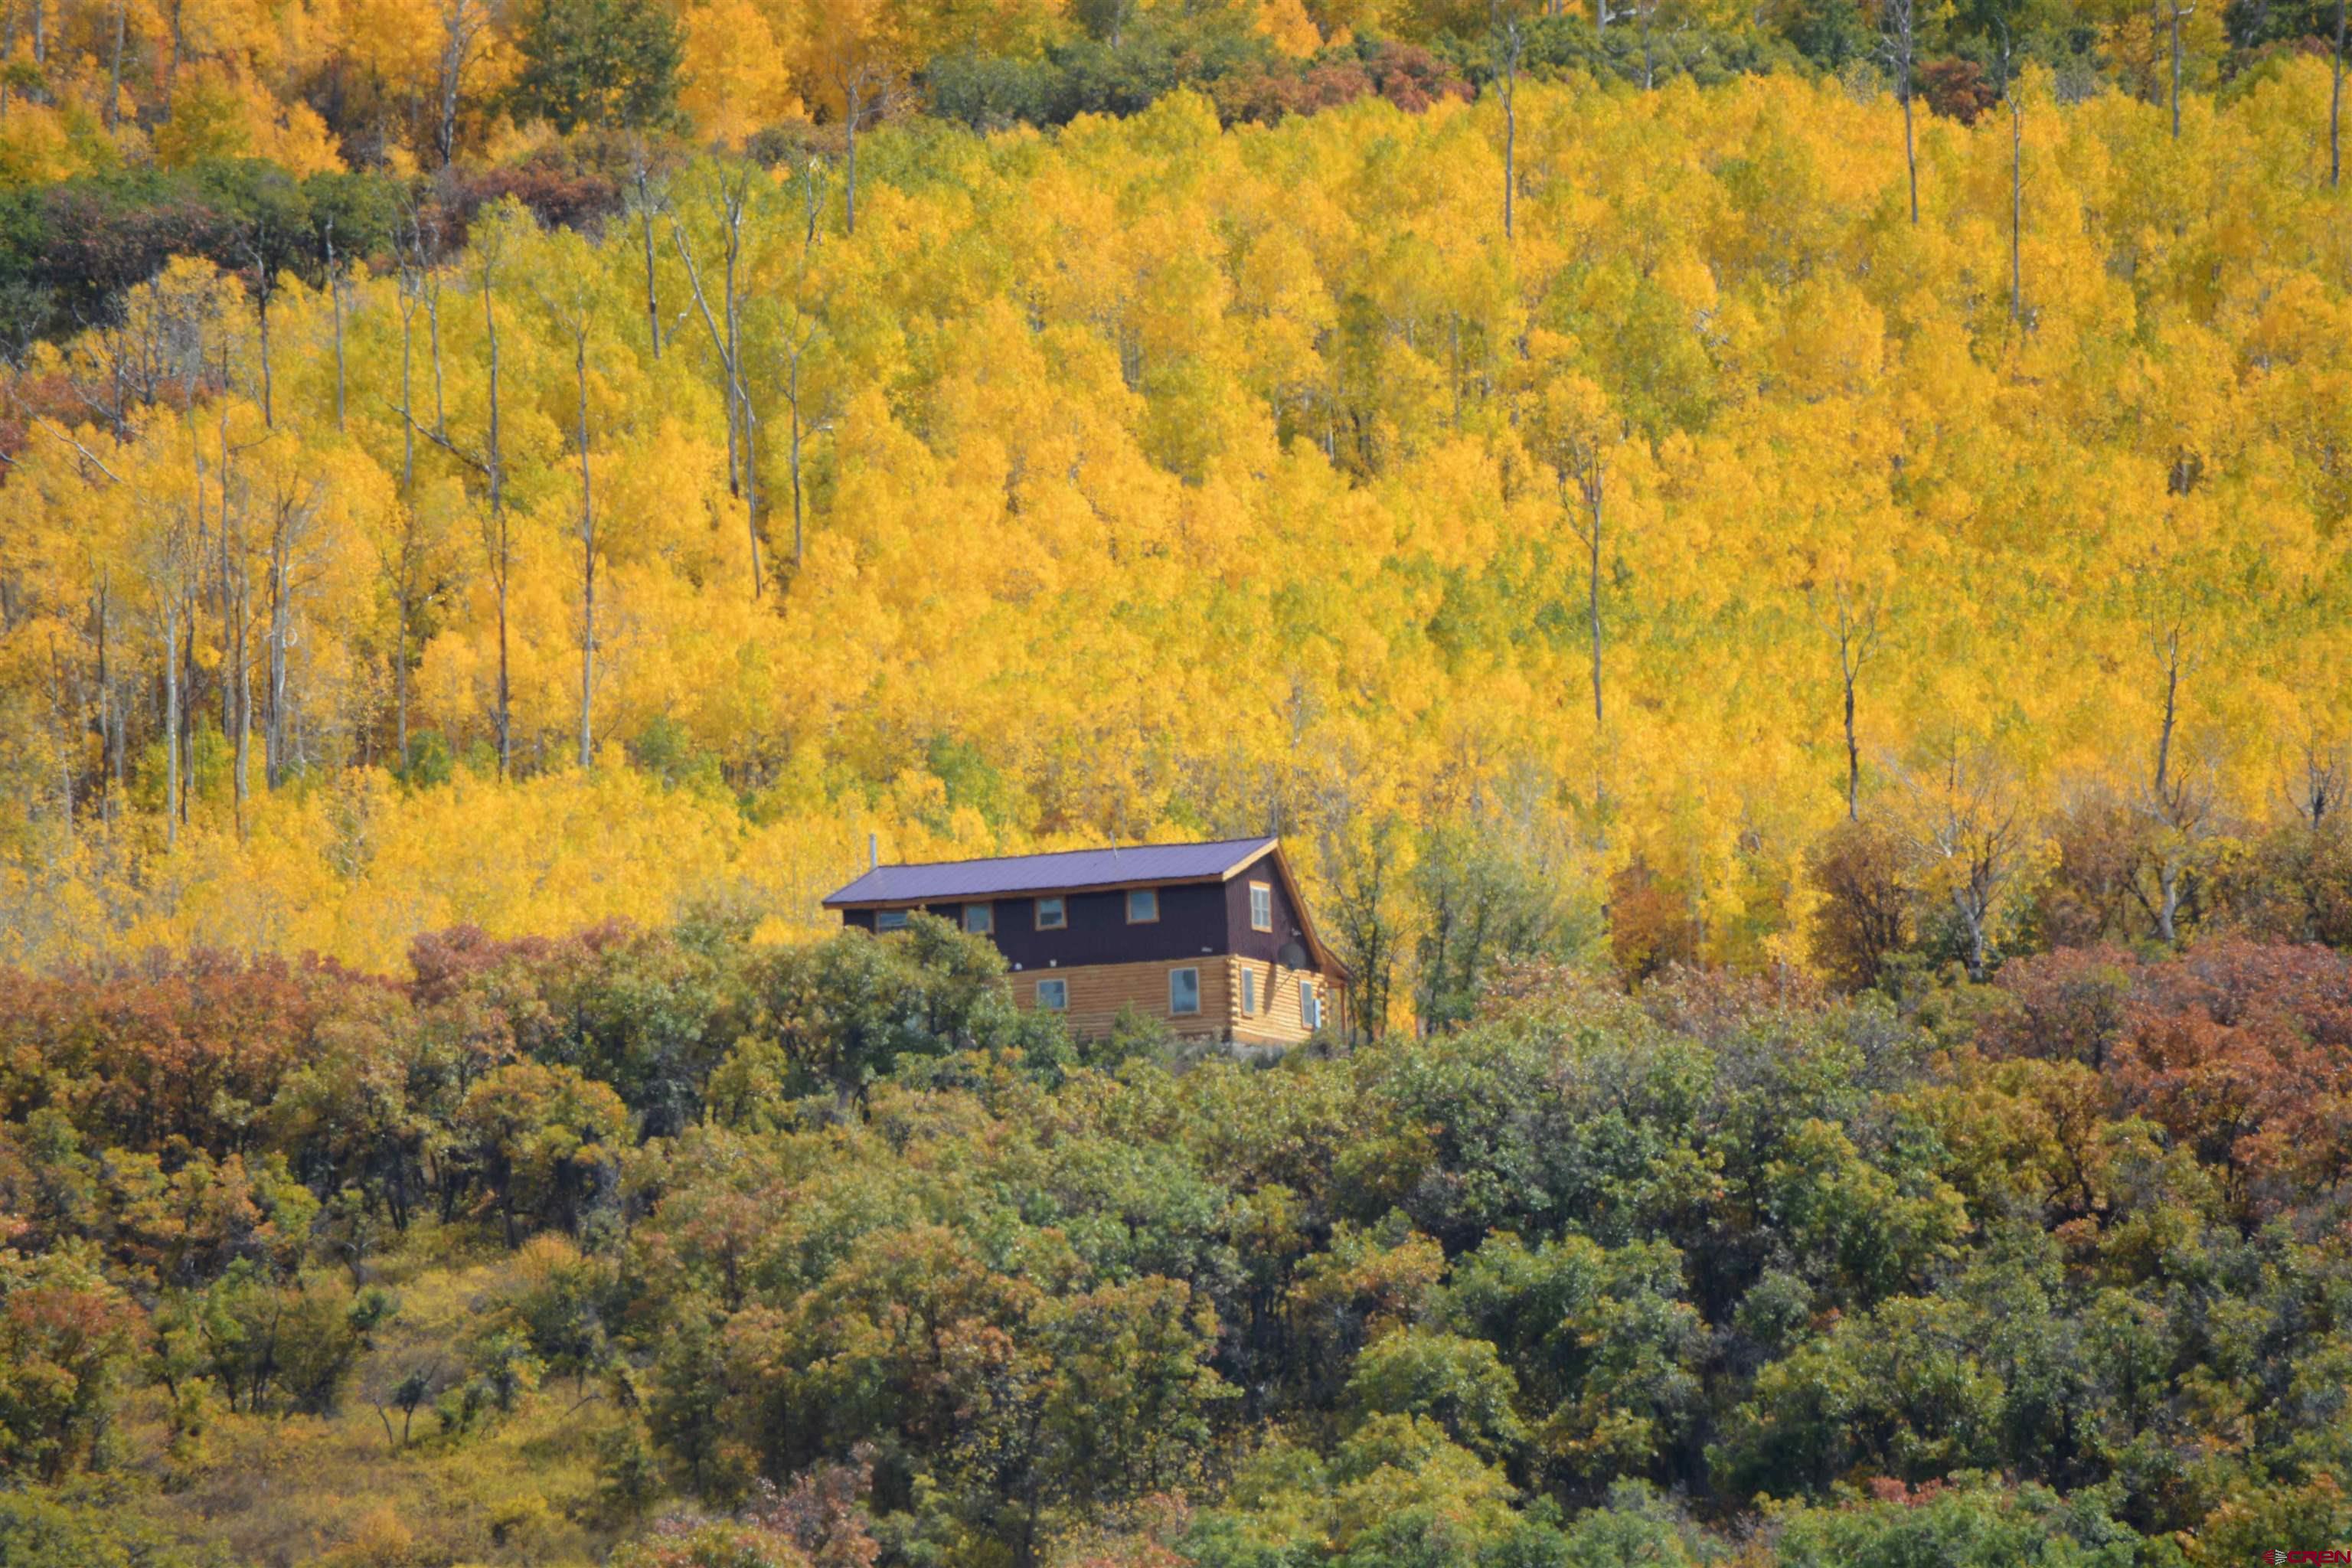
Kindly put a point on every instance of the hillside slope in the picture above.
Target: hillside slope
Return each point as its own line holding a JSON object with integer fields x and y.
{"x": 1154, "y": 477}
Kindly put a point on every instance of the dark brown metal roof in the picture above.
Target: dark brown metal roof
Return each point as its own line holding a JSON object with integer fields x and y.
{"x": 1067, "y": 871}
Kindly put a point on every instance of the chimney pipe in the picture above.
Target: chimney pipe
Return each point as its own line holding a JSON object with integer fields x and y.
{"x": 872, "y": 851}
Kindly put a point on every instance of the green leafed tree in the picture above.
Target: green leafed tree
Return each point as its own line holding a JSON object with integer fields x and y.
{"x": 602, "y": 64}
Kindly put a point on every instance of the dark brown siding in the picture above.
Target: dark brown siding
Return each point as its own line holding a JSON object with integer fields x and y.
{"x": 1260, "y": 944}
{"x": 1194, "y": 920}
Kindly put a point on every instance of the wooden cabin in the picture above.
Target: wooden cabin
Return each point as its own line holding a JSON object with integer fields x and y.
{"x": 1211, "y": 939}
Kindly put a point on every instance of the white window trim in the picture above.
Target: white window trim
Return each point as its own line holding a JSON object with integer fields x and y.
{"x": 1194, "y": 1010}
{"x": 1255, "y": 889}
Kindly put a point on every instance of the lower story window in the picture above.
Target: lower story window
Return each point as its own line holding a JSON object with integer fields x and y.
{"x": 1054, "y": 995}
{"x": 1310, "y": 1004}
{"x": 1183, "y": 991}
{"x": 889, "y": 919}
{"x": 1249, "y": 991}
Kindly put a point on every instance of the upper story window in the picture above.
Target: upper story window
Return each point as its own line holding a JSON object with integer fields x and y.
{"x": 1183, "y": 991}
{"x": 889, "y": 919}
{"x": 980, "y": 919}
{"x": 1142, "y": 906}
{"x": 1261, "y": 906}
{"x": 1052, "y": 914}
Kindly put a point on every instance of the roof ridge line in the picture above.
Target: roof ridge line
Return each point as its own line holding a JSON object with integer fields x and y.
{"x": 1096, "y": 849}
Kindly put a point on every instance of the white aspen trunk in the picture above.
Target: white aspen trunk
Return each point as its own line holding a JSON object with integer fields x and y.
{"x": 171, "y": 780}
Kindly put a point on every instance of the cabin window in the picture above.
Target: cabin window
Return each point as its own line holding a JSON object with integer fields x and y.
{"x": 1310, "y": 1004}
{"x": 1261, "y": 906}
{"x": 1249, "y": 991}
{"x": 1142, "y": 906}
{"x": 980, "y": 919}
{"x": 1054, "y": 995}
{"x": 889, "y": 919}
{"x": 1052, "y": 914}
{"x": 1183, "y": 991}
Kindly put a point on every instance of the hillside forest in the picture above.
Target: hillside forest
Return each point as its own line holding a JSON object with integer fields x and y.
{"x": 1779, "y": 571}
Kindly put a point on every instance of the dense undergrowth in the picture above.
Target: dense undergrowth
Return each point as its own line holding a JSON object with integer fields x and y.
{"x": 826, "y": 1254}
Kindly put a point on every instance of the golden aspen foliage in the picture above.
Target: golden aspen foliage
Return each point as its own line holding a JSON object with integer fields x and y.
{"x": 1159, "y": 478}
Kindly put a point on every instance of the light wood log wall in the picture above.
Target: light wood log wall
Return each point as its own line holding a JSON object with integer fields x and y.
{"x": 1098, "y": 990}
{"x": 1278, "y": 1019}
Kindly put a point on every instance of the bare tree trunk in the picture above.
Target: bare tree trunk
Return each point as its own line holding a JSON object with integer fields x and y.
{"x": 727, "y": 342}
{"x": 461, "y": 24}
{"x": 497, "y": 535}
{"x": 2179, "y": 13}
{"x": 407, "y": 389}
{"x": 852, "y": 103}
{"x": 742, "y": 400}
{"x": 404, "y": 580}
{"x": 646, "y": 230}
{"x": 108, "y": 767}
{"x": 432, "y": 295}
{"x": 501, "y": 541}
{"x": 587, "y": 560}
{"x": 1584, "y": 465}
{"x": 63, "y": 708}
{"x": 335, "y": 307}
{"x": 2320, "y": 768}
{"x": 1856, "y": 634}
{"x": 1592, "y": 492}
{"x": 1513, "y": 42}
{"x": 1853, "y": 755}
{"x": 1910, "y": 149}
{"x": 793, "y": 401}
{"x": 172, "y": 784}
{"x": 114, "y": 73}
{"x": 2171, "y": 644}
{"x": 187, "y": 704}
{"x": 171, "y": 68}
{"x": 2335, "y": 107}
{"x": 268, "y": 416}
{"x": 281, "y": 626}
{"x": 1592, "y": 497}
{"x": 2167, "y": 870}
{"x": 2016, "y": 212}
{"x": 290, "y": 520}
{"x": 236, "y": 614}
{"x": 1972, "y": 919}
{"x": 240, "y": 699}
{"x": 1901, "y": 45}
{"x": 400, "y": 674}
